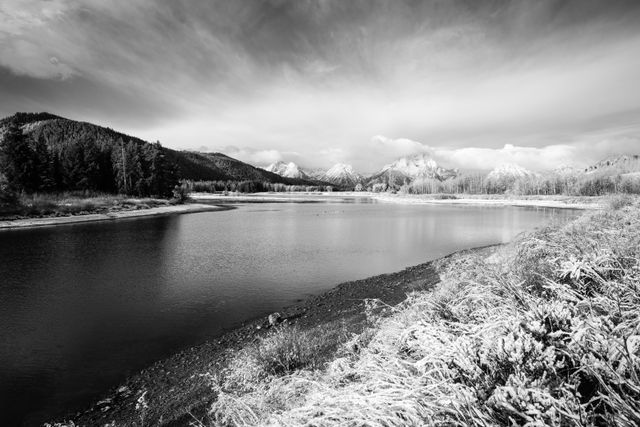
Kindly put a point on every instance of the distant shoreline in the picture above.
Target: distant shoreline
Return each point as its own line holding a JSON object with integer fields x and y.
{"x": 111, "y": 216}
{"x": 559, "y": 202}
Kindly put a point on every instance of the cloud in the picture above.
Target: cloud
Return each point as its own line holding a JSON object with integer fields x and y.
{"x": 26, "y": 58}
{"x": 578, "y": 154}
{"x": 320, "y": 78}
{"x": 534, "y": 158}
{"x": 252, "y": 156}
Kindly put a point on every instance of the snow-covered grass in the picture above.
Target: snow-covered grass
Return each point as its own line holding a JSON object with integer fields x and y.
{"x": 546, "y": 331}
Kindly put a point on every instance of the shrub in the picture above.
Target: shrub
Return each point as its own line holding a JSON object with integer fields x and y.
{"x": 620, "y": 201}
{"x": 445, "y": 196}
{"x": 179, "y": 194}
{"x": 283, "y": 351}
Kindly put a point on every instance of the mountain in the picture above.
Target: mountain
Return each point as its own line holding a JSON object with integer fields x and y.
{"x": 230, "y": 168}
{"x": 343, "y": 175}
{"x": 509, "y": 171}
{"x": 407, "y": 169}
{"x": 316, "y": 173}
{"x": 88, "y": 156}
{"x": 616, "y": 165}
{"x": 288, "y": 170}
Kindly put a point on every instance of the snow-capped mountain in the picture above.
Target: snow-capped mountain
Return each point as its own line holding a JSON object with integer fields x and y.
{"x": 420, "y": 166}
{"x": 406, "y": 169}
{"x": 288, "y": 170}
{"x": 509, "y": 171}
{"x": 316, "y": 173}
{"x": 342, "y": 174}
{"x": 412, "y": 166}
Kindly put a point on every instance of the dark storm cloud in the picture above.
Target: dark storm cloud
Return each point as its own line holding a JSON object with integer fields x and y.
{"x": 317, "y": 80}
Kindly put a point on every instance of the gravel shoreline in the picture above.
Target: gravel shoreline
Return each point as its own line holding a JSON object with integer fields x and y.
{"x": 178, "y": 388}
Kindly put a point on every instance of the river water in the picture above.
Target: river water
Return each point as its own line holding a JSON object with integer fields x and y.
{"x": 84, "y": 306}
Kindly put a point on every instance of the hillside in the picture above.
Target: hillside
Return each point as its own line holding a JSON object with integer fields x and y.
{"x": 72, "y": 155}
{"x": 618, "y": 164}
{"x": 218, "y": 166}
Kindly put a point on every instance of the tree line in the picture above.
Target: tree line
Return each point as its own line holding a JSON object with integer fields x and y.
{"x": 592, "y": 184}
{"x": 249, "y": 186}
{"x": 31, "y": 165}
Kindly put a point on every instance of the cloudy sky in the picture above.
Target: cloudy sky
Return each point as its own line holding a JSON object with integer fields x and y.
{"x": 473, "y": 83}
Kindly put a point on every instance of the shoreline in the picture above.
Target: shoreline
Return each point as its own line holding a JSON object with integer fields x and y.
{"x": 179, "y": 387}
{"x": 111, "y": 216}
{"x": 551, "y": 202}
{"x": 559, "y": 202}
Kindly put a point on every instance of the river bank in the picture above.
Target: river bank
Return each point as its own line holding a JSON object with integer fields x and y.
{"x": 179, "y": 388}
{"x": 543, "y": 331}
{"x": 167, "y": 209}
{"x": 486, "y": 336}
{"x": 560, "y": 202}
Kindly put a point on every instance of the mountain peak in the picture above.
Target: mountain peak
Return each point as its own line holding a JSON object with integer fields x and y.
{"x": 342, "y": 174}
{"x": 413, "y": 166}
{"x": 288, "y": 170}
{"x": 341, "y": 168}
{"x": 509, "y": 170}
{"x": 418, "y": 166}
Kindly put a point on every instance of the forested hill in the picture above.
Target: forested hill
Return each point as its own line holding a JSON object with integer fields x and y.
{"x": 44, "y": 152}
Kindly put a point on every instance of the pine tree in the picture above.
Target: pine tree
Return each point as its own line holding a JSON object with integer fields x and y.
{"x": 17, "y": 159}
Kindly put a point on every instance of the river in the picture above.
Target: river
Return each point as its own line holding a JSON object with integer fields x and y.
{"x": 84, "y": 306}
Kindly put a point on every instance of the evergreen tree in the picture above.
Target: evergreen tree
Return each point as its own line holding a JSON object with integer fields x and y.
{"x": 8, "y": 195}
{"x": 162, "y": 176}
{"x": 41, "y": 176}
{"x": 119, "y": 161}
{"x": 17, "y": 159}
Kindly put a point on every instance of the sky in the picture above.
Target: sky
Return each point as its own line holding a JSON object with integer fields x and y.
{"x": 473, "y": 83}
